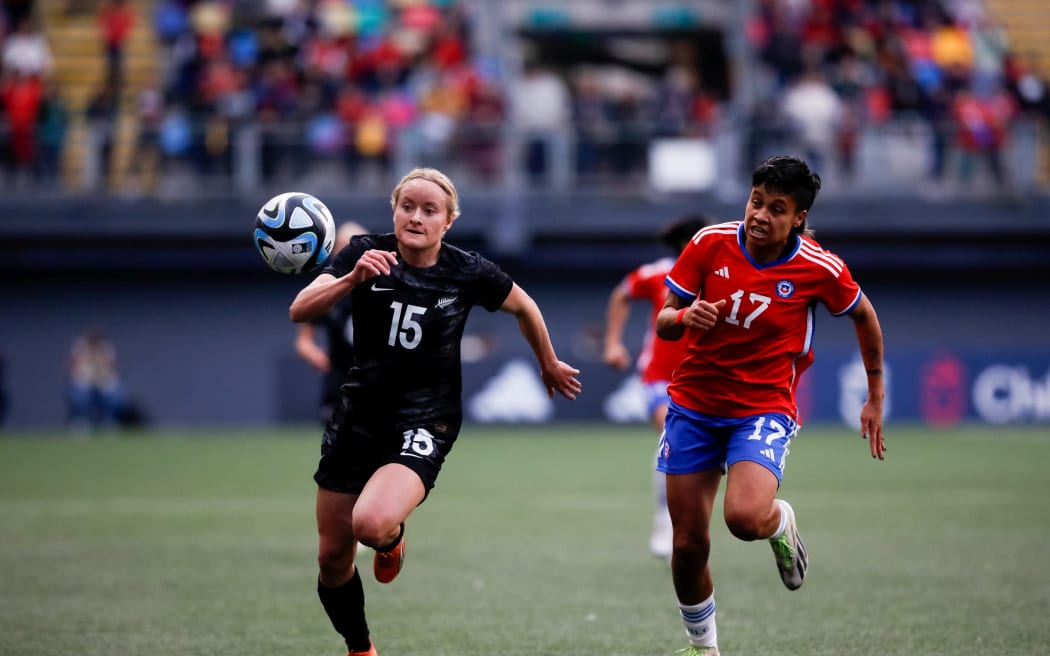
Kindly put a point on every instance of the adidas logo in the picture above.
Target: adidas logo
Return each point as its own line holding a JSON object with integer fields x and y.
{"x": 769, "y": 454}
{"x": 723, "y": 272}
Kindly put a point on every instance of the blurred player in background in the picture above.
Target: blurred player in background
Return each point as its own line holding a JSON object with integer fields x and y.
{"x": 658, "y": 357}
{"x": 336, "y": 358}
{"x": 401, "y": 407}
{"x": 742, "y": 295}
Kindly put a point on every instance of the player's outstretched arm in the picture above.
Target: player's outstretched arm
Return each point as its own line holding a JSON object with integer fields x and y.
{"x": 319, "y": 296}
{"x": 557, "y": 375}
{"x": 618, "y": 310}
{"x": 325, "y": 290}
{"x": 869, "y": 340}
{"x": 309, "y": 350}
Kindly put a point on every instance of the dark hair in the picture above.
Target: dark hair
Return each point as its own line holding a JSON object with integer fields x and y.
{"x": 677, "y": 234}
{"x": 782, "y": 174}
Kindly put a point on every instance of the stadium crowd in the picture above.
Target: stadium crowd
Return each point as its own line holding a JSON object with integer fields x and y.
{"x": 319, "y": 80}
{"x": 833, "y": 67}
{"x": 353, "y": 81}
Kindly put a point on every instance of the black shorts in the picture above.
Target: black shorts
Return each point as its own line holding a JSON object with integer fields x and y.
{"x": 330, "y": 395}
{"x": 355, "y": 446}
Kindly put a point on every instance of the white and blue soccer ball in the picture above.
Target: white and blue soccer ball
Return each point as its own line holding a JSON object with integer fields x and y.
{"x": 294, "y": 232}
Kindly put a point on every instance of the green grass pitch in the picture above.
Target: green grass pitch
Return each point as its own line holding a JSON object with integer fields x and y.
{"x": 533, "y": 543}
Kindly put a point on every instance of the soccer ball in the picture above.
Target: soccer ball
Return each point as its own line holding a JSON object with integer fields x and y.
{"x": 294, "y": 232}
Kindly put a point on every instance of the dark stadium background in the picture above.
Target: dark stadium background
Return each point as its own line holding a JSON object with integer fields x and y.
{"x": 201, "y": 325}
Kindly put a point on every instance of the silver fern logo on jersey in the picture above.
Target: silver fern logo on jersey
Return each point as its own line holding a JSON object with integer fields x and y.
{"x": 785, "y": 288}
{"x": 445, "y": 302}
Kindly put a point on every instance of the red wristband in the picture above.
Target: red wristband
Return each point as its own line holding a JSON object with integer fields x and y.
{"x": 678, "y": 317}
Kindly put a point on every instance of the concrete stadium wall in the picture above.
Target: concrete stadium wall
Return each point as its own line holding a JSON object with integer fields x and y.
{"x": 216, "y": 349}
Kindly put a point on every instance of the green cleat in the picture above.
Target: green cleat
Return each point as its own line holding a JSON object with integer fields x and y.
{"x": 790, "y": 551}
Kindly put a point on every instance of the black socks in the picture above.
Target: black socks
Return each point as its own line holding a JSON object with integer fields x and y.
{"x": 345, "y": 606}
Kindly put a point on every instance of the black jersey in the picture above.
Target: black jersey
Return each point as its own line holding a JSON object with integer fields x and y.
{"x": 408, "y": 326}
{"x": 339, "y": 332}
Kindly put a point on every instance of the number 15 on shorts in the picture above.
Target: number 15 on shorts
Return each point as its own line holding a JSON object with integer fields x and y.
{"x": 418, "y": 442}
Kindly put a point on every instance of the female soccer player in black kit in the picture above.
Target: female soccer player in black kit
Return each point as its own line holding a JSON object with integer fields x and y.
{"x": 401, "y": 408}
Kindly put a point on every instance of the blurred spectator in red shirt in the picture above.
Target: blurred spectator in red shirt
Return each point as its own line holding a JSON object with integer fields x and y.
{"x": 218, "y": 80}
{"x": 22, "y": 95}
{"x": 115, "y": 21}
{"x": 982, "y": 118}
{"x": 447, "y": 48}
{"x": 821, "y": 31}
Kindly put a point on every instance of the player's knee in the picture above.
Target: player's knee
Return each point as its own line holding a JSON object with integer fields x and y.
{"x": 375, "y": 529}
{"x": 693, "y": 544}
{"x": 334, "y": 561}
{"x": 743, "y": 524}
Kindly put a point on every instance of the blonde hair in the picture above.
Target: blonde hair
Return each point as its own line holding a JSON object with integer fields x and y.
{"x": 438, "y": 178}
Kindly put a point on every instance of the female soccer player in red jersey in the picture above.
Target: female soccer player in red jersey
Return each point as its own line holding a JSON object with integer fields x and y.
{"x": 743, "y": 295}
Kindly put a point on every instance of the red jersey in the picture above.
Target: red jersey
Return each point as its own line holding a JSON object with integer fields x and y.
{"x": 659, "y": 357}
{"x": 750, "y": 361}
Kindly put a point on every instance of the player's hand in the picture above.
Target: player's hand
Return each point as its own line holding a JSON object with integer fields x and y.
{"x": 616, "y": 356}
{"x": 373, "y": 263}
{"x": 703, "y": 315}
{"x": 320, "y": 362}
{"x": 871, "y": 429}
{"x": 561, "y": 378}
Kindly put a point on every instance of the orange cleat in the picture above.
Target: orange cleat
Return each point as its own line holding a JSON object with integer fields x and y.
{"x": 387, "y": 564}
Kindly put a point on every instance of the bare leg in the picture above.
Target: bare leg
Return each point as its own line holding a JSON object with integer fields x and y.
{"x": 389, "y": 497}
{"x": 750, "y": 512}
{"x": 337, "y": 545}
{"x": 690, "y": 499}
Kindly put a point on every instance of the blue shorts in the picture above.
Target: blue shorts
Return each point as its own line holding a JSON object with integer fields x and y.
{"x": 655, "y": 396}
{"x": 694, "y": 442}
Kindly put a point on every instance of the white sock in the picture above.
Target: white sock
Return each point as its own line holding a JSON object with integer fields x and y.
{"x": 699, "y": 622}
{"x": 783, "y": 520}
{"x": 659, "y": 483}
{"x": 661, "y": 516}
